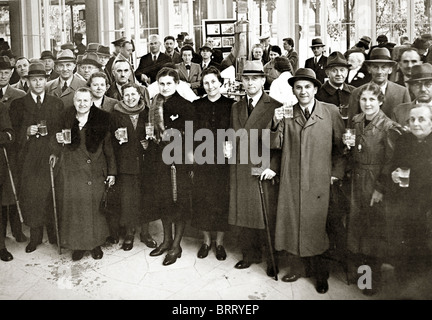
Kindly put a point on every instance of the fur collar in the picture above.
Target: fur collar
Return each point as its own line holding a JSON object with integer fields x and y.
{"x": 97, "y": 127}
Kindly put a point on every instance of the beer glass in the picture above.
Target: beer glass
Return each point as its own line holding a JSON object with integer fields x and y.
{"x": 122, "y": 135}
{"x": 149, "y": 128}
{"x": 228, "y": 147}
{"x": 288, "y": 110}
{"x": 349, "y": 137}
{"x": 404, "y": 174}
{"x": 343, "y": 109}
{"x": 42, "y": 128}
{"x": 67, "y": 139}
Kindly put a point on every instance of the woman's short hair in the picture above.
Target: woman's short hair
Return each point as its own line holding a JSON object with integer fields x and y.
{"x": 424, "y": 105}
{"x": 166, "y": 71}
{"x": 358, "y": 56}
{"x": 374, "y": 88}
{"x": 83, "y": 89}
{"x": 282, "y": 64}
{"x": 98, "y": 75}
{"x": 131, "y": 85}
{"x": 211, "y": 70}
{"x": 276, "y": 49}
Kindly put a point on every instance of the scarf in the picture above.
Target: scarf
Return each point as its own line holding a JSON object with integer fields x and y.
{"x": 123, "y": 108}
{"x": 156, "y": 115}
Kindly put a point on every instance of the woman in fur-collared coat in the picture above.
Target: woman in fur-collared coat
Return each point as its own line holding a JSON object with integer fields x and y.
{"x": 84, "y": 167}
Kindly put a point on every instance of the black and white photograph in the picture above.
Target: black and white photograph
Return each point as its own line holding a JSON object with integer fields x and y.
{"x": 215, "y": 158}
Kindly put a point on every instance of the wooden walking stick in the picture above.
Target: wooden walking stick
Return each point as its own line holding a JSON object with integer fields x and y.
{"x": 13, "y": 186}
{"x": 55, "y": 208}
{"x": 266, "y": 221}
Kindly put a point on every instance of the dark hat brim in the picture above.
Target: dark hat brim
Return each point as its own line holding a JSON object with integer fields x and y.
{"x": 423, "y": 77}
{"x": 253, "y": 73}
{"x": 60, "y": 60}
{"x": 346, "y": 65}
{"x": 317, "y": 45}
{"x": 4, "y": 66}
{"x": 316, "y": 82}
{"x": 89, "y": 61}
{"x": 392, "y": 62}
{"x": 36, "y": 74}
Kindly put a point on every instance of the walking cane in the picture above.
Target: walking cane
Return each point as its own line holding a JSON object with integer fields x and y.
{"x": 266, "y": 221}
{"x": 55, "y": 208}
{"x": 13, "y": 186}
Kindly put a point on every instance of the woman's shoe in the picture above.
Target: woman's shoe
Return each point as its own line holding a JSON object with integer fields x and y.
{"x": 160, "y": 250}
{"x": 148, "y": 240}
{"x": 203, "y": 251}
{"x": 220, "y": 253}
{"x": 5, "y": 255}
{"x": 77, "y": 255}
{"x": 128, "y": 243}
{"x": 172, "y": 256}
{"x": 97, "y": 253}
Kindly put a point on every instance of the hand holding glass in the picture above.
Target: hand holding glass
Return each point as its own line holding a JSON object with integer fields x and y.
{"x": 343, "y": 109}
{"x": 67, "y": 139}
{"x": 228, "y": 147}
{"x": 401, "y": 176}
{"x": 288, "y": 110}
{"x": 42, "y": 128}
{"x": 149, "y": 128}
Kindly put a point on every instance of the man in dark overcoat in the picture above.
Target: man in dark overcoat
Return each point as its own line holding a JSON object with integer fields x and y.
{"x": 311, "y": 144}
{"x": 253, "y": 113}
{"x": 32, "y": 151}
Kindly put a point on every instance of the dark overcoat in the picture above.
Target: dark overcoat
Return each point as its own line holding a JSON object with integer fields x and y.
{"x": 83, "y": 167}
{"x": 311, "y": 154}
{"x": 32, "y": 154}
{"x": 245, "y": 208}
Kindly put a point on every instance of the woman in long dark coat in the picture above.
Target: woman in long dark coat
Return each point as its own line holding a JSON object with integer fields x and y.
{"x": 370, "y": 160}
{"x": 171, "y": 177}
{"x": 132, "y": 163}
{"x": 85, "y": 166}
{"x": 211, "y": 181}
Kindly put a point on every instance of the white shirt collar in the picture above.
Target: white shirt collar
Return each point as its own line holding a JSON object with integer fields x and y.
{"x": 255, "y": 99}
{"x": 34, "y": 96}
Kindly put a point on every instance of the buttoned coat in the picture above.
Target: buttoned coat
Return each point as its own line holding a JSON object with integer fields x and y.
{"x": 54, "y": 87}
{"x": 32, "y": 155}
{"x": 19, "y": 86}
{"x": 328, "y": 93}
{"x": 11, "y": 94}
{"x": 395, "y": 94}
{"x": 311, "y": 154}
{"x": 319, "y": 68}
{"x": 245, "y": 208}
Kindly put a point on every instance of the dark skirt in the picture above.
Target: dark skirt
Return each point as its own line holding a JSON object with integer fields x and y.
{"x": 211, "y": 198}
{"x": 131, "y": 199}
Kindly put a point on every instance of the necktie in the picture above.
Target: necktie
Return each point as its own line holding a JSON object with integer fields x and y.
{"x": 316, "y": 61}
{"x": 1, "y": 93}
{"x": 204, "y": 66}
{"x": 250, "y": 106}
{"x": 188, "y": 67}
{"x": 65, "y": 86}
{"x": 25, "y": 86}
{"x": 154, "y": 58}
{"x": 307, "y": 113}
{"x": 38, "y": 102}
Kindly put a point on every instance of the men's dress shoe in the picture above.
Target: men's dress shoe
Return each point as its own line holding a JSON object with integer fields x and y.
{"x": 5, "y": 255}
{"x": 172, "y": 256}
{"x": 112, "y": 239}
{"x": 30, "y": 247}
{"x": 128, "y": 243}
{"x": 220, "y": 252}
{"x": 97, "y": 253}
{"x": 291, "y": 277}
{"x": 160, "y": 250}
{"x": 77, "y": 255}
{"x": 322, "y": 286}
{"x": 21, "y": 237}
{"x": 270, "y": 271}
{"x": 203, "y": 251}
{"x": 148, "y": 240}
{"x": 243, "y": 264}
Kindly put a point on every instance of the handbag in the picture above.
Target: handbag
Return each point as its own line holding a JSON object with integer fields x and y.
{"x": 109, "y": 201}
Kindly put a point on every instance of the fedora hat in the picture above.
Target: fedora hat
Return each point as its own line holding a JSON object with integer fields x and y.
{"x": 92, "y": 47}
{"x": 66, "y": 56}
{"x": 8, "y": 53}
{"x": 305, "y": 74}
{"x": 366, "y": 39}
{"x": 180, "y": 37}
{"x": 47, "y": 54}
{"x": 188, "y": 41}
{"x": 36, "y": 69}
{"x": 253, "y": 68}
{"x": 264, "y": 37}
{"x": 421, "y": 72}
{"x": 103, "y": 51}
{"x": 78, "y": 36}
{"x": 207, "y": 45}
{"x": 336, "y": 58}
{"x": 317, "y": 42}
{"x": 90, "y": 58}
{"x": 380, "y": 55}
{"x": 68, "y": 46}
{"x": 5, "y": 63}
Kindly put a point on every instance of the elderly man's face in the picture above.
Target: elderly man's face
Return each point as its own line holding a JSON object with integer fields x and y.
{"x": 317, "y": 51}
{"x": 122, "y": 72}
{"x": 337, "y": 75}
{"x": 304, "y": 91}
{"x": 22, "y": 67}
{"x": 380, "y": 72}
{"x": 420, "y": 122}
{"x": 422, "y": 90}
{"x": 154, "y": 45}
{"x": 407, "y": 61}
{"x": 253, "y": 84}
{"x": 127, "y": 50}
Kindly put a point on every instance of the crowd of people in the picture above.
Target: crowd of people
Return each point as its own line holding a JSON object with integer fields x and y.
{"x": 87, "y": 141}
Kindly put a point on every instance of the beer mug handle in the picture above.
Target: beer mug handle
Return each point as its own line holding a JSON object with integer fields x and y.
{"x": 395, "y": 176}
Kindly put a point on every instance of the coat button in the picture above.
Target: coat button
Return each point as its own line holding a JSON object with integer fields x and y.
{"x": 89, "y": 161}
{"x": 89, "y": 183}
